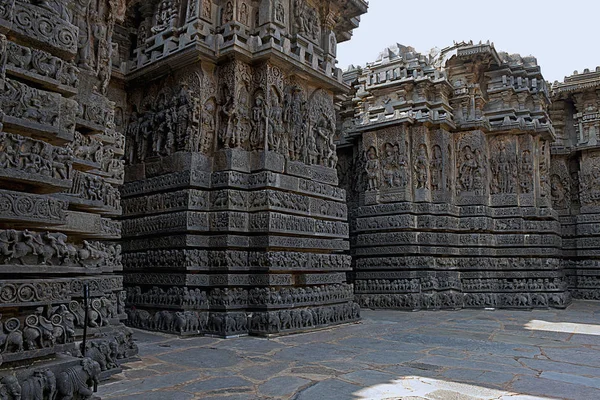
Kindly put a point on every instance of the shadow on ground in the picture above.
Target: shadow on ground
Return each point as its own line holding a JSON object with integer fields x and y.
{"x": 467, "y": 354}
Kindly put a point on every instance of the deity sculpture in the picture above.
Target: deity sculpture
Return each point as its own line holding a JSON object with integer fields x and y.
{"x": 259, "y": 116}
{"x": 468, "y": 170}
{"x": 421, "y": 163}
{"x": 526, "y": 175}
{"x": 437, "y": 168}
{"x": 372, "y": 169}
{"x": 227, "y": 13}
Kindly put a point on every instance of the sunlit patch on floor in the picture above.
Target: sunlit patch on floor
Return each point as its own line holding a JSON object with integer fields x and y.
{"x": 563, "y": 327}
{"x": 430, "y": 388}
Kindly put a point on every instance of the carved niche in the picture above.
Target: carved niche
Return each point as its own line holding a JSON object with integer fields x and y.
{"x": 167, "y": 118}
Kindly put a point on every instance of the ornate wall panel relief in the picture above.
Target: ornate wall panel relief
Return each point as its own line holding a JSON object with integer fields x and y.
{"x": 231, "y": 182}
{"x": 451, "y": 173}
{"x": 59, "y": 166}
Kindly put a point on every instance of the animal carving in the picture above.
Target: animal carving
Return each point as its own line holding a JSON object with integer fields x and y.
{"x": 179, "y": 322}
{"x": 100, "y": 352}
{"x": 19, "y": 56}
{"x": 94, "y": 319}
{"x": 10, "y": 388}
{"x": 40, "y": 386}
{"x": 77, "y": 382}
{"x": 11, "y": 338}
{"x": 38, "y": 332}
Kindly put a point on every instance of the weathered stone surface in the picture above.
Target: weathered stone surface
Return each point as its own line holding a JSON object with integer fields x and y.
{"x": 462, "y": 354}
{"x": 205, "y": 134}
{"x": 446, "y": 161}
{"x": 233, "y": 219}
{"x": 574, "y": 178}
{"x": 59, "y": 167}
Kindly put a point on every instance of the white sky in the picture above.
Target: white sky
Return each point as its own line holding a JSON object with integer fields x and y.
{"x": 564, "y": 35}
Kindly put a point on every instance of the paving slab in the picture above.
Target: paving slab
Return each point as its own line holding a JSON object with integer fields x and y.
{"x": 200, "y": 357}
{"x": 389, "y": 357}
{"x": 328, "y": 389}
{"x": 222, "y": 384}
{"x": 368, "y": 377}
{"x": 554, "y": 389}
{"x": 464, "y": 355}
{"x": 264, "y": 370}
{"x": 158, "y": 395}
{"x": 283, "y": 386}
{"x": 129, "y": 387}
{"x": 561, "y": 367}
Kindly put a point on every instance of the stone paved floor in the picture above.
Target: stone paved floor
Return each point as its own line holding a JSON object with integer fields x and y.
{"x": 468, "y": 354}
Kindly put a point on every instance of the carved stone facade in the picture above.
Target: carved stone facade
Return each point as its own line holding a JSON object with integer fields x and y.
{"x": 233, "y": 220}
{"x": 183, "y": 159}
{"x": 59, "y": 171}
{"x": 575, "y": 178}
{"x": 446, "y": 161}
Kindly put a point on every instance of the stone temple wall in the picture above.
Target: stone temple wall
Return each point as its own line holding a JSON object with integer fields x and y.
{"x": 233, "y": 220}
{"x": 59, "y": 172}
{"x": 182, "y": 159}
{"x": 446, "y": 159}
{"x": 575, "y": 178}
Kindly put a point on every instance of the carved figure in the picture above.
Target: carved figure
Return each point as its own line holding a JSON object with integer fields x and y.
{"x": 101, "y": 352}
{"x": 307, "y": 20}
{"x": 19, "y": 56}
{"x": 182, "y": 116}
{"x": 208, "y": 126}
{"x": 372, "y": 169}
{"x": 437, "y": 168}
{"x": 311, "y": 149}
{"x": 526, "y": 175}
{"x": 39, "y": 332}
{"x": 503, "y": 170}
{"x": 166, "y": 14}
{"x": 421, "y": 163}
{"x": 10, "y": 389}
{"x": 207, "y": 9}
{"x": 391, "y": 167}
{"x": 544, "y": 169}
{"x": 323, "y": 135}
{"x": 227, "y": 13}
{"x": 41, "y": 385}
{"x": 558, "y": 192}
{"x": 233, "y": 131}
{"x": 78, "y": 381}
{"x": 467, "y": 171}
{"x": 180, "y": 322}
{"x": 81, "y": 20}
{"x": 243, "y": 13}
{"x": 275, "y": 132}
{"x": 11, "y": 338}
{"x": 279, "y": 13}
{"x": 259, "y": 116}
